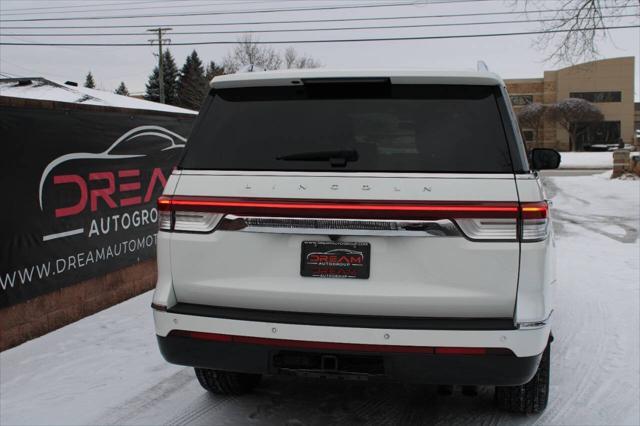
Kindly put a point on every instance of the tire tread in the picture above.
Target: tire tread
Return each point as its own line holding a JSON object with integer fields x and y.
{"x": 530, "y": 398}
{"x": 226, "y": 382}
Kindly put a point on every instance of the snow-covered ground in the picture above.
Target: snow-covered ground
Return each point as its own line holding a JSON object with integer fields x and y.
{"x": 106, "y": 369}
{"x": 586, "y": 160}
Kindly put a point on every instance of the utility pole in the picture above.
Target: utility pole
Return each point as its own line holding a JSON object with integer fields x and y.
{"x": 160, "y": 40}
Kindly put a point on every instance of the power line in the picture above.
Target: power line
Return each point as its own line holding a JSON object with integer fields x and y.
{"x": 236, "y": 12}
{"x": 346, "y": 40}
{"x": 67, "y": 7}
{"x": 306, "y": 21}
{"x": 155, "y": 7}
{"x": 286, "y": 30}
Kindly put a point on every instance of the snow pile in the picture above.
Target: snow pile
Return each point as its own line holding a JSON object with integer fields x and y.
{"x": 43, "y": 89}
{"x": 586, "y": 160}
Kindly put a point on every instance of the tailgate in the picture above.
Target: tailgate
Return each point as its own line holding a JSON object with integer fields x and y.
{"x": 431, "y": 270}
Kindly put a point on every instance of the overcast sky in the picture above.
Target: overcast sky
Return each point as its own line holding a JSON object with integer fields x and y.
{"x": 511, "y": 57}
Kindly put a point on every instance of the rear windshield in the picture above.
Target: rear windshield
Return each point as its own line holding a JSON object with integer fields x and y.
{"x": 351, "y": 128}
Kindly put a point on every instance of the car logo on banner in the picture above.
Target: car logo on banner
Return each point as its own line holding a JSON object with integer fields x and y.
{"x": 121, "y": 176}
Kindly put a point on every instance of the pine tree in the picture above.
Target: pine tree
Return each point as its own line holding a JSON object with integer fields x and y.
{"x": 152, "y": 92}
{"x": 170, "y": 77}
{"x": 213, "y": 70}
{"x": 122, "y": 89}
{"x": 192, "y": 83}
{"x": 89, "y": 82}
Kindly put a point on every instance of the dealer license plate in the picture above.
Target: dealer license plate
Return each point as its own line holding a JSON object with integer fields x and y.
{"x": 328, "y": 259}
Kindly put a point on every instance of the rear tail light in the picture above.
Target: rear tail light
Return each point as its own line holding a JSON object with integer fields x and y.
{"x": 535, "y": 221}
{"x": 500, "y": 221}
{"x": 530, "y": 224}
{"x": 489, "y": 229}
{"x": 165, "y": 220}
{"x": 170, "y": 219}
{"x": 195, "y": 221}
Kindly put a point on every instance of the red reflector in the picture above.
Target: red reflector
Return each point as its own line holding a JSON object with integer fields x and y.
{"x": 461, "y": 351}
{"x": 343, "y": 209}
{"x": 534, "y": 210}
{"x": 207, "y": 336}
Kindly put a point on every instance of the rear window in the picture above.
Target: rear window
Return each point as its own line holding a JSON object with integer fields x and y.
{"x": 351, "y": 128}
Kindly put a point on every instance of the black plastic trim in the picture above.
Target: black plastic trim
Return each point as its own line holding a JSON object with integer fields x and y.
{"x": 517, "y": 152}
{"x": 341, "y": 320}
{"x": 502, "y": 370}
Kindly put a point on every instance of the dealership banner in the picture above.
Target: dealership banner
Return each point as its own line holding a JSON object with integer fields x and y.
{"x": 79, "y": 190}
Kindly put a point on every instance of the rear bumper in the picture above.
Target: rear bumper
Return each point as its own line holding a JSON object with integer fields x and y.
{"x": 522, "y": 342}
{"x": 486, "y": 369}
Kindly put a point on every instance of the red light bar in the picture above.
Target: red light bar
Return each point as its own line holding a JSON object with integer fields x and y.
{"x": 535, "y": 210}
{"x": 341, "y": 209}
{"x": 354, "y": 347}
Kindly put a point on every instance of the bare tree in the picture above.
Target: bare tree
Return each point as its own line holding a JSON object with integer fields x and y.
{"x": 293, "y": 60}
{"x": 531, "y": 116}
{"x": 569, "y": 112}
{"x": 577, "y": 27}
{"x": 248, "y": 52}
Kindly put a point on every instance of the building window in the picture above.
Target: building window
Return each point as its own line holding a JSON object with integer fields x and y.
{"x": 598, "y": 96}
{"x": 527, "y": 135}
{"x": 603, "y": 132}
{"x": 519, "y": 100}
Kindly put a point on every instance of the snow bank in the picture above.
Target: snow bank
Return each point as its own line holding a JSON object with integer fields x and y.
{"x": 586, "y": 160}
{"x": 48, "y": 90}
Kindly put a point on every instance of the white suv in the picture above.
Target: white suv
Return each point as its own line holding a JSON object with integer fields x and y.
{"x": 358, "y": 224}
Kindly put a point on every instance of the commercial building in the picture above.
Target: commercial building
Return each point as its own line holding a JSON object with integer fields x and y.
{"x": 608, "y": 83}
{"x": 637, "y": 121}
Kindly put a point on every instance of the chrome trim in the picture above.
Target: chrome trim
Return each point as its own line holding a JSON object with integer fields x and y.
{"x": 328, "y": 226}
{"x": 534, "y": 324}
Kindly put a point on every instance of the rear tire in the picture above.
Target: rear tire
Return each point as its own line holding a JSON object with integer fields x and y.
{"x": 227, "y": 382}
{"x": 530, "y": 398}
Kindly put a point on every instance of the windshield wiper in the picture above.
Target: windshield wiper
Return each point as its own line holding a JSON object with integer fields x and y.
{"x": 335, "y": 158}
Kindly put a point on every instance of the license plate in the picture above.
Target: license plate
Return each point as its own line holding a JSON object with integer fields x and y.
{"x": 328, "y": 259}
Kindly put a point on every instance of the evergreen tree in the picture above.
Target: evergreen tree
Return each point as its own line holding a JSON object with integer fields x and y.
{"x": 122, "y": 89}
{"x": 192, "y": 83}
{"x": 89, "y": 81}
{"x": 170, "y": 77}
{"x": 152, "y": 92}
{"x": 213, "y": 70}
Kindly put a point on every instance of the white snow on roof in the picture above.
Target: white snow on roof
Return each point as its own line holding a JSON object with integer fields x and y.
{"x": 43, "y": 89}
{"x": 397, "y": 76}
